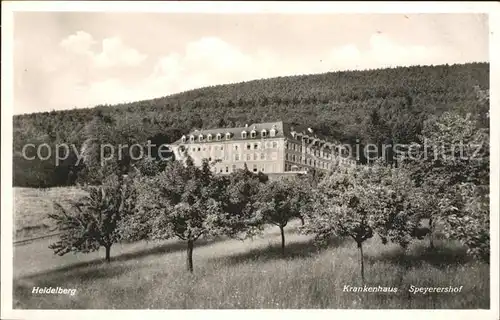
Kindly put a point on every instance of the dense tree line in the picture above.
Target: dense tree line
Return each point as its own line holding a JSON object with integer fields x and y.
{"x": 373, "y": 106}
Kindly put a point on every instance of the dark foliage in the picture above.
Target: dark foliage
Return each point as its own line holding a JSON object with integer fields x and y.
{"x": 374, "y": 106}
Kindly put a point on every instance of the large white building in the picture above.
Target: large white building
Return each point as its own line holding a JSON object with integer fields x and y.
{"x": 273, "y": 147}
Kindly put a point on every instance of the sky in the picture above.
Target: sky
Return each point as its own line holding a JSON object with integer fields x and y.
{"x": 65, "y": 60}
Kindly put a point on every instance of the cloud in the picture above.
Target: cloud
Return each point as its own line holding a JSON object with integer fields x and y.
{"x": 114, "y": 52}
{"x": 79, "y": 43}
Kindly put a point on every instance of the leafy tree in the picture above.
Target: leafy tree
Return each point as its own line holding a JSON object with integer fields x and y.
{"x": 241, "y": 190}
{"x": 467, "y": 216}
{"x": 455, "y": 156}
{"x": 93, "y": 221}
{"x": 278, "y": 203}
{"x": 361, "y": 201}
{"x": 181, "y": 202}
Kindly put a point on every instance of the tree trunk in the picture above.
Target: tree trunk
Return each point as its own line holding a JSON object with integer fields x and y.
{"x": 108, "y": 253}
{"x": 360, "y": 246}
{"x": 301, "y": 220}
{"x": 189, "y": 257}
{"x": 282, "y": 240}
{"x": 431, "y": 233}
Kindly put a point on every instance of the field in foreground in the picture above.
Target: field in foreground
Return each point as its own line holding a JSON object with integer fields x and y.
{"x": 32, "y": 207}
{"x": 248, "y": 274}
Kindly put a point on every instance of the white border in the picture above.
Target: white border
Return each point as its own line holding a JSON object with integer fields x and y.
{"x": 241, "y": 7}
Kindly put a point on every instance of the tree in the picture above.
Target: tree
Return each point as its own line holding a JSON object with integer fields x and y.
{"x": 468, "y": 219}
{"x": 454, "y": 158}
{"x": 278, "y": 203}
{"x": 240, "y": 194}
{"x": 93, "y": 221}
{"x": 361, "y": 201}
{"x": 181, "y": 202}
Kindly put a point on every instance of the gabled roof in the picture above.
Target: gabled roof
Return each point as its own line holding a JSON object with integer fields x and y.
{"x": 283, "y": 130}
{"x": 236, "y": 132}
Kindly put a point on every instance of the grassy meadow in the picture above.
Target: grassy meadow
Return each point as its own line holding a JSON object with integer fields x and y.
{"x": 32, "y": 207}
{"x": 239, "y": 274}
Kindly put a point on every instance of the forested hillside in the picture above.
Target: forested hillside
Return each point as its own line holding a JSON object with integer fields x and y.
{"x": 372, "y": 106}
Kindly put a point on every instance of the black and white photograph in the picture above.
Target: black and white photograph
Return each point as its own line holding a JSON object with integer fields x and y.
{"x": 279, "y": 156}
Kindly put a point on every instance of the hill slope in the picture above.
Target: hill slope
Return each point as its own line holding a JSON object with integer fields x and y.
{"x": 368, "y": 105}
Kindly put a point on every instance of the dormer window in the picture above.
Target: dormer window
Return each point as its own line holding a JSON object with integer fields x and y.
{"x": 253, "y": 133}
{"x": 272, "y": 132}
{"x": 263, "y": 133}
{"x": 209, "y": 137}
{"x": 218, "y": 136}
{"x": 183, "y": 138}
{"x": 191, "y": 138}
{"x": 200, "y": 138}
{"x": 244, "y": 134}
{"x": 228, "y": 135}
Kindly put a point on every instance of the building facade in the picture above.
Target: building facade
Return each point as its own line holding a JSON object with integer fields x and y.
{"x": 273, "y": 147}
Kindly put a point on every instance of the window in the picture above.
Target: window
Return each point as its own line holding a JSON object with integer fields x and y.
{"x": 256, "y": 146}
{"x": 194, "y": 149}
{"x": 272, "y": 132}
{"x": 191, "y": 138}
{"x": 275, "y": 144}
{"x": 263, "y": 133}
{"x": 234, "y": 168}
{"x": 249, "y": 147}
{"x": 228, "y": 136}
{"x": 236, "y": 157}
{"x": 227, "y": 169}
{"x": 210, "y": 159}
{"x": 220, "y": 170}
{"x": 200, "y": 138}
{"x": 286, "y": 145}
{"x": 244, "y": 134}
{"x": 255, "y": 156}
{"x": 253, "y": 134}
{"x": 254, "y": 168}
{"x": 248, "y": 156}
{"x": 221, "y": 148}
{"x": 262, "y": 169}
{"x": 262, "y": 156}
{"x": 199, "y": 149}
{"x": 209, "y": 137}
{"x": 236, "y": 147}
{"x": 218, "y": 136}
{"x": 183, "y": 138}
{"x": 286, "y": 156}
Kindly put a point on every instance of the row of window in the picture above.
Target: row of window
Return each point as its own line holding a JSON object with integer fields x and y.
{"x": 254, "y": 157}
{"x": 314, "y": 162}
{"x": 306, "y": 161}
{"x": 233, "y": 168}
{"x": 249, "y": 157}
{"x": 249, "y": 146}
{"x": 244, "y": 134}
{"x": 308, "y": 150}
